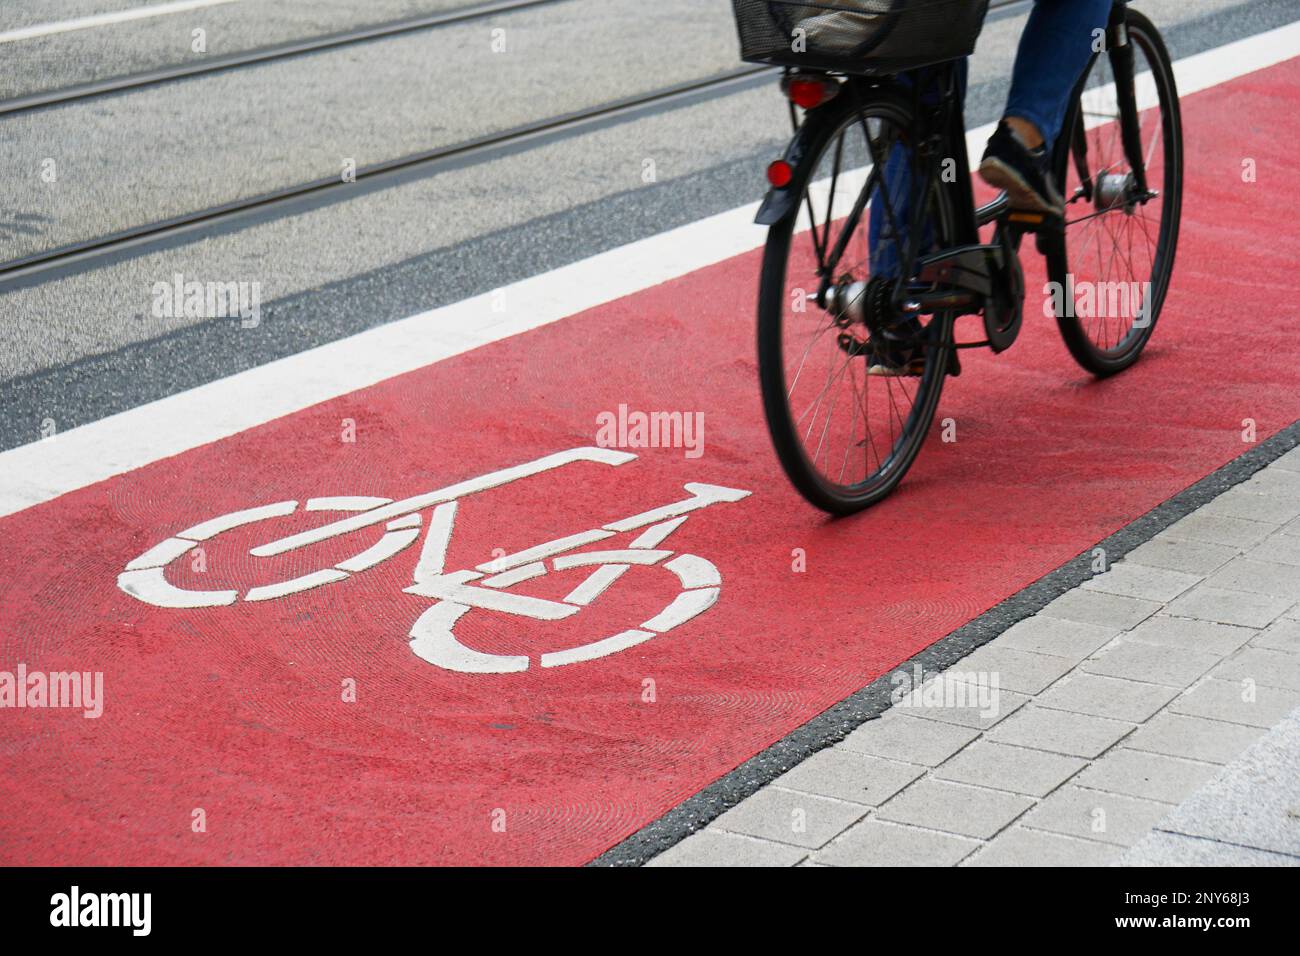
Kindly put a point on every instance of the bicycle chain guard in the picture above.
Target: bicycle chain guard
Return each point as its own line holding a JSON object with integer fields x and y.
{"x": 1004, "y": 310}
{"x": 989, "y": 277}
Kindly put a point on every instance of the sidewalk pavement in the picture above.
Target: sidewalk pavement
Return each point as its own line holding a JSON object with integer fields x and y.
{"x": 1126, "y": 723}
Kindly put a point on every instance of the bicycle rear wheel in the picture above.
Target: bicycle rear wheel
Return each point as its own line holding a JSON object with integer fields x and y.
{"x": 845, "y": 438}
{"x": 1120, "y": 246}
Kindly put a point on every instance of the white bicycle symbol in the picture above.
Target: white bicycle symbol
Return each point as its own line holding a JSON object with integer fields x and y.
{"x": 432, "y": 637}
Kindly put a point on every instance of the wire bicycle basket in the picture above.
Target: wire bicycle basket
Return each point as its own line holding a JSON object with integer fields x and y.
{"x": 867, "y": 37}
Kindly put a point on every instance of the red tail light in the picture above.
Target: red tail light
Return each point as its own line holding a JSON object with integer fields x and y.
{"x": 809, "y": 92}
{"x": 780, "y": 173}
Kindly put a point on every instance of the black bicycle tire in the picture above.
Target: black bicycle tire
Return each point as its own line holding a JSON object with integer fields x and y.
{"x": 1081, "y": 346}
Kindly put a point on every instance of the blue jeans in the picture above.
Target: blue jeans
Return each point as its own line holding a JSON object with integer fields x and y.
{"x": 1054, "y": 49}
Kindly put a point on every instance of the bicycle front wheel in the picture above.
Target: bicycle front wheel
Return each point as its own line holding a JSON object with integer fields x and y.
{"x": 845, "y": 437}
{"x": 1120, "y": 243}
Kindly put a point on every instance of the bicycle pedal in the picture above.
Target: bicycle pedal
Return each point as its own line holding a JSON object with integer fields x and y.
{"x": 1034, "y": 221}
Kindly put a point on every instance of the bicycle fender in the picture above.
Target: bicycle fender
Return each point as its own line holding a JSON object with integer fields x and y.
{"x": 777, "y": 204}
{"x": 784, "y": 201}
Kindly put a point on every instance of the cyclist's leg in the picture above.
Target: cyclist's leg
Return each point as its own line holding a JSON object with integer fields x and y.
{"x": 1054, "y": 49}
{"x": 897, "y": 182}
{"x": 885, "y": 246}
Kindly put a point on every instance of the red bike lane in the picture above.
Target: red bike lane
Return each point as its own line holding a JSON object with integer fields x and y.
{"x": 304, "y": 728}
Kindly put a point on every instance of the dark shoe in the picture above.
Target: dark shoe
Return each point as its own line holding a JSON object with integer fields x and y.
{"x": 1009, "y": 164}
{"x": 897, "y": 359}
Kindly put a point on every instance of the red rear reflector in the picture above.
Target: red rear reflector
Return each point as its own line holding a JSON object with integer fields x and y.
{"x": 808, "y": 94}
{"x": 779, "y": 174}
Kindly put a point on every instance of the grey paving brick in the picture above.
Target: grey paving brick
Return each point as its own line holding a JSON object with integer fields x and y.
{"x": 1022, "y": 671}
{"x": 1281, "y": 635}
{"x": 1077, "y": 735}
{"x": 846, "y": 775}
{"x": 974, "y": 713}
{"x": 1279, "y": 482}
{"x": 1291, "y": 528}
{"x": 789, "y": 817}
{"x": 1140, "y": 581}
{"x": 1153, "y": 663}
{"x": 1218, "y": 529}
{"x": 1127, "y": 700}
{"x": 714, "y": 848}
{"x": 1267, "y": 667}
{"x": 966, "y": 811}
{"x": 1151, "y": 776}
{"x": 1194, "y": 738}
{"x": 1194, "y": 635}
{"x": 1207, "y": 603}
{"x": 1104, "y": 610}
{"x": 897, "y": 736}
{"x": 1177, "y": 554}
{"x": 1259, "y": 577}
{"x": 1288, "y": 462}
{"x": 1277, "y": 548}
{"x": 1003, "y": 767}
{"x": 1236, "y": 703}
{"x": 1237, "y": 503}
{"x": 1071, "y": 640}
{"x": 1253, "y": 801}
{"x": 1176, "y": 850}
{"x": 872, "y": 843}
{"x": 1022, "y": 847}
{"x": 1095, "y": 815}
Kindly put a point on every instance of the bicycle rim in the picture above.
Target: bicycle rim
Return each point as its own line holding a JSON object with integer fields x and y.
{"x": 1121, "y": 255}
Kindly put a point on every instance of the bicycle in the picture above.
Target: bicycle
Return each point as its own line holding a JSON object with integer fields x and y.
{"x": 485, "y": 587}
{"x": 894, "y": 104}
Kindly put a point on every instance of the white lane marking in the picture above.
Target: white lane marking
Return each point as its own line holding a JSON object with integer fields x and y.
{"x": 701, "y": 497}
{"x": 215, "y": 526}
{"x": 589, "y": 652}
{"x": 150, "y": 586}
{"x": 162, "y": 554}
{"x": 630, "y": 556}
{"x": 43, "y": 470}
{"x": 348, "y": 503}
{"x": 685, "y": 606}
{"x": 544, "y": 550}
{"x": 461, "y": 489}
{"x": 653, "y": 537}
{"x": 433, "y": 556}
{"x": 596, "y": 584}
{"x": 694, "y": 571}
{"x": 381, "y": 550}
{"x": 432, "y": 640}
{"x": 106, "y": 19}
{"x": 508, "y": 579}
{"x": 451, "y": 589}
{"x": 316, "y": 579}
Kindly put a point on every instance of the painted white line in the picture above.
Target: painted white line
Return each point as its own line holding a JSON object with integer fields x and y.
{"x": 106, "y": 19}
{"x": 43, "y": 470}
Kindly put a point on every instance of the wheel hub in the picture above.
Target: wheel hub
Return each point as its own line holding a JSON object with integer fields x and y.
{"x": 865, "y": 303}
{"x": 1115, "y": 190}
